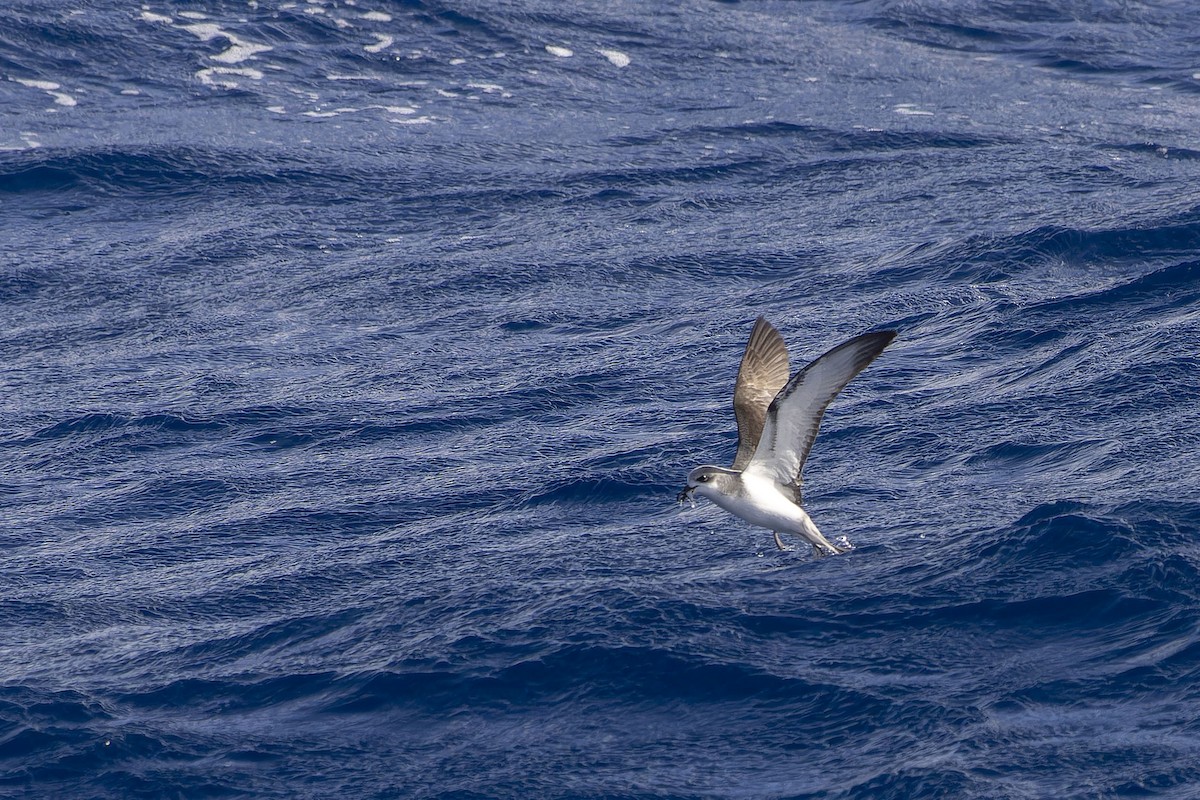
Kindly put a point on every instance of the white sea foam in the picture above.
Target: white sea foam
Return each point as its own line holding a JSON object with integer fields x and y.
{"x": 240, "y": 52}
{"x": 28, "y": 142}
{"x": 193, "y": 15}
{"x": 150, "y": 16}
{"x": 909, "y": 110}
{"x": 45, "y": 86}
{"x": 50, "y": 88}
{"x": 486, "y": 88}
{"x": 382, "y": 42}
{"x": 205, "y": 30}
{"x": 239, "y": 49}
{"x": 131, "y": 92}
{"x": 561, "y": 52}
{"x": 396, "y": 109}
{"x": 377, "y": 16}
{"x": 616, "y": 57}
{"x": 212, "y": 76}
{"x": 334, "y": 112}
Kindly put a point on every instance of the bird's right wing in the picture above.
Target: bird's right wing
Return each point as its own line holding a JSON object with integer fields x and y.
{"x": 763, "y": 373}
{"x": 795, "y": 414}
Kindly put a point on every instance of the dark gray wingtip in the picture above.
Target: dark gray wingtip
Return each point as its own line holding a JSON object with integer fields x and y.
{"x": 875, "y": 342}
{"x": 881, "y": 339}
{"x": 872, "y": 343}
{"x": 886, "y": 334}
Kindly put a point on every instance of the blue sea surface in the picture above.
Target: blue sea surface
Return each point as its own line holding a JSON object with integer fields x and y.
{"x": 352, "y": 353}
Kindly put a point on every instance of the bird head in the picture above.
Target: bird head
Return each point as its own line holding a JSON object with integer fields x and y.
{"x": 706, "y": 481}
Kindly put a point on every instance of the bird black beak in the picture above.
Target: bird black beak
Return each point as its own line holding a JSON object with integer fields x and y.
{"x": 686, "y": 494}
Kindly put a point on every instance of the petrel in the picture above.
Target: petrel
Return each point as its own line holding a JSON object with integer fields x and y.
{"x": 777, "y": 421}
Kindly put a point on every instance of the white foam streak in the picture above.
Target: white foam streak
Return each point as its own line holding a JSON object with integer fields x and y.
{"x": 211, "y": 76}
{"x": 50, "y": 88}
{"x": 45, "y": 86}
{"x": 615, "y": 57}
{"x": 239, "y": 49}
{"x": 28, "y": 142}
{"x": 382, "y": 42}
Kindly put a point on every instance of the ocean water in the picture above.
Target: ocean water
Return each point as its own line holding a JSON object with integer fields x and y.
{"x": 352, "y": 355}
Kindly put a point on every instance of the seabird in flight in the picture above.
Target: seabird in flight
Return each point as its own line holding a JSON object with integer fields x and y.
{"x": 777, "y": 422}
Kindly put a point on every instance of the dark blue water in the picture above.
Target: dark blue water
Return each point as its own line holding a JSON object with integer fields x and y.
{"x": 352, "y": 354}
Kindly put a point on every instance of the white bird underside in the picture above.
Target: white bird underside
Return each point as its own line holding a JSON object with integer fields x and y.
{"x": 778, "y": 420}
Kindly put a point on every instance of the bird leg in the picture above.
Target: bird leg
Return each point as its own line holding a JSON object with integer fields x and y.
{"x": 779, "y": 542}
{"x": 834, "y": 550}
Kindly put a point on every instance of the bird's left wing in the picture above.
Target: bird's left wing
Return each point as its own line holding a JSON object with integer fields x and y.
{"x": 795, "y": 414}
{"x": 764, "y": 371}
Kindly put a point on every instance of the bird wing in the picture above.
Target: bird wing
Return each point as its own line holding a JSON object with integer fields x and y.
{"x": 795, "y": 414}
{"x": 763, "y": 373}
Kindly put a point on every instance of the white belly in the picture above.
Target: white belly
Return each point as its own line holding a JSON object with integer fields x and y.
{"x": 764, "y": 505}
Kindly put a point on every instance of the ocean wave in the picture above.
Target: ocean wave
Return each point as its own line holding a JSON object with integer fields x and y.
{"x": 352, "y": 357}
